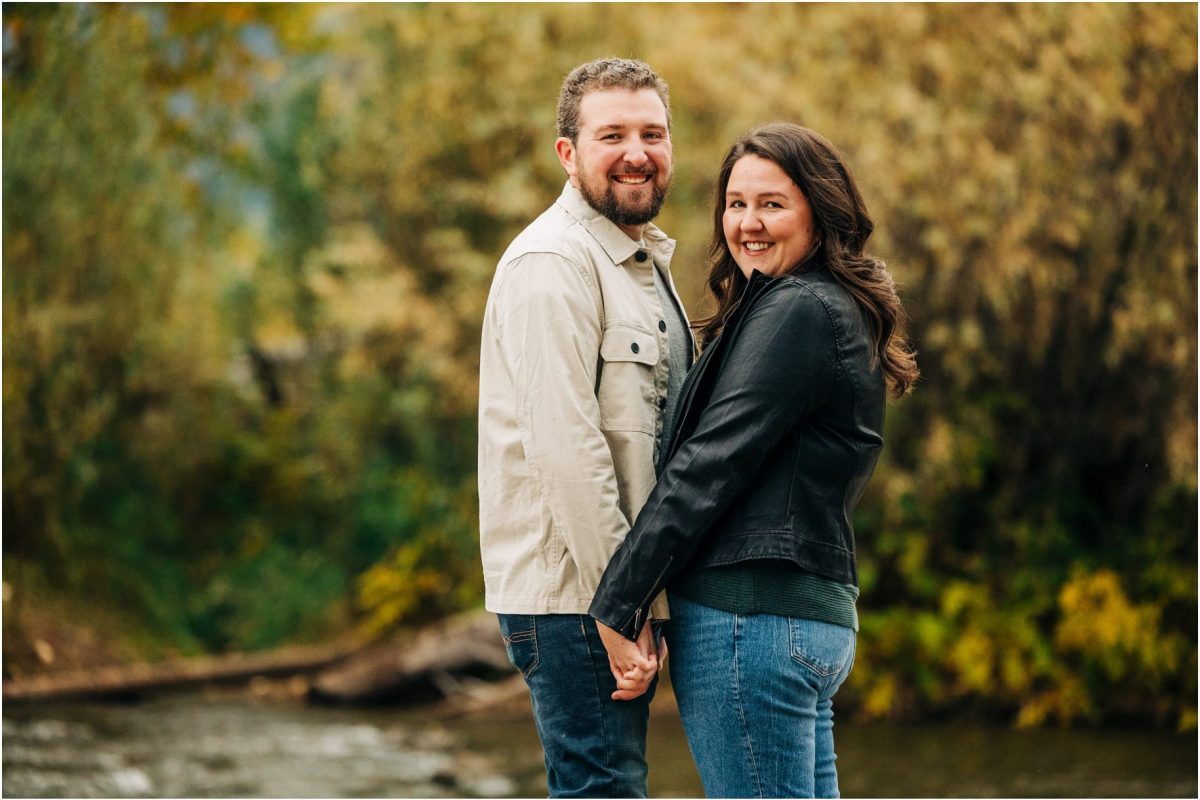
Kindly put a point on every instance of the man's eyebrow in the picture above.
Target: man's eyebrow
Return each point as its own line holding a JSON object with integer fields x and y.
{"x": 616, "y": 126}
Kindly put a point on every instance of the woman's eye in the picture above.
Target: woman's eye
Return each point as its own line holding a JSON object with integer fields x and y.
{"x": 736, "y": 204}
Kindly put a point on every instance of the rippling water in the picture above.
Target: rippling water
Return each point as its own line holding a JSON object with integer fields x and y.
{"x": 197, "y": 746}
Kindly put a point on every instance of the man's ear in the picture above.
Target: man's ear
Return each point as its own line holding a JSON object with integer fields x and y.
{"x": 566, "y": 157}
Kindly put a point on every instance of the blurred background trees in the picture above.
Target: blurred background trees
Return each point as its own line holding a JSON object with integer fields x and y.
{"x": 246, "y": 251}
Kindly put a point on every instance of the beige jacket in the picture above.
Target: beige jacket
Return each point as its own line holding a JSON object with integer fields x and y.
{"x": 572, "y": 379}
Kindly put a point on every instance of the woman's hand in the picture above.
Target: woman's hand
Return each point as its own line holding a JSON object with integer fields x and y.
{"x": 633, "y": 664}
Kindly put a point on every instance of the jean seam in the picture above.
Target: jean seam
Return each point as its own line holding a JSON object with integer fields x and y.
{"x": 525, "y": 636}
{"x": 741, "y": 711}
{"x": 537, "y": 653}
{"x": 817, "y": 670}
{"x": 822, "y": 671}
{"x": 612, "y": 775}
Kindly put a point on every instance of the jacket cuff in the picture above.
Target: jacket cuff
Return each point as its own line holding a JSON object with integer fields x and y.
{"x": 623, "y": 618}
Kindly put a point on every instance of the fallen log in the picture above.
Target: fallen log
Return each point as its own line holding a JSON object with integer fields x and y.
{"x": 459, "y": 656}
{"x": 134, "y": 679}
{"x": 510, "y": 694}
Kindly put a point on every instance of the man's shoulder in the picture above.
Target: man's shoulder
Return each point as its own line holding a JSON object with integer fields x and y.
{"x": 555, "y": 233}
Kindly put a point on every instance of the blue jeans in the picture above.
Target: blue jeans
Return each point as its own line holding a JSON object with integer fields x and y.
{"x": 594, "y": 746}
{"x": 755, "y": 694}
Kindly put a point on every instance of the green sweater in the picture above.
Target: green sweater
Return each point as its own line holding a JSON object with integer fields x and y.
{"x": 770, "y": 587}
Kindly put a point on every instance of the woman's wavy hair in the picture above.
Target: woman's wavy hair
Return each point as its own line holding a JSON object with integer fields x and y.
{"x": 842, "y": 225}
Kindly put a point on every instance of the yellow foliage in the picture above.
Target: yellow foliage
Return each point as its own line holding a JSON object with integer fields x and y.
{"x": 880, "y": 697}
{"x": 1096, "y": 614}
{"x": 959, "y": 597}
{"x": 972, "y": 657}
{"x": 1016, "y": 673}
{"x": 1067, "y": 701}
{"x": 409, "y": 587}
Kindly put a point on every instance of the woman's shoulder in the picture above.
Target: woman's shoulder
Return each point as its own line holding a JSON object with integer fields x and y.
{"x": 818, "y": 298}
{"x": 819, "y": 283}
{"x": 791, "y": 305}
{"x": 808, "y": 293}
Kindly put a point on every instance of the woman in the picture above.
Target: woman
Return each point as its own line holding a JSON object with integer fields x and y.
{"x": 778, "y": 431}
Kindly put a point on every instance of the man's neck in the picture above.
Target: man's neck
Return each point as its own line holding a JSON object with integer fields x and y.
{"x": 632, "y": 231}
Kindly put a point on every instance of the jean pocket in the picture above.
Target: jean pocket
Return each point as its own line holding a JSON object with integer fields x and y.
{"x": 520, "y": 641}
{"x": 824, "y": 648}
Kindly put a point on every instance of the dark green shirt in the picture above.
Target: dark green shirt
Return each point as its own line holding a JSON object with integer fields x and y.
{"x": 770, "y": 587}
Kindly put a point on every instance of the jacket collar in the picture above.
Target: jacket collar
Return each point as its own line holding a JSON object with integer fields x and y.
{"x": 758, "y": 283}
{"x": 616, "y": 245}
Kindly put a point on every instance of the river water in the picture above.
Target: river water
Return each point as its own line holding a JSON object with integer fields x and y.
{"x": 234, "y": 746}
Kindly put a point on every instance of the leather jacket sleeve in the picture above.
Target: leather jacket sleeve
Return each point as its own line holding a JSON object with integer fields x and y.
{"x": 781, "y": 366}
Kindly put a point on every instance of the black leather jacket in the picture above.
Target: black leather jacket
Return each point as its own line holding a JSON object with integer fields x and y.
{"x": 779, "y": 429}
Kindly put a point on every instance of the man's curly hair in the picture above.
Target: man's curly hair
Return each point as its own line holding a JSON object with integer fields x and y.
{"x": 605, "y": 73}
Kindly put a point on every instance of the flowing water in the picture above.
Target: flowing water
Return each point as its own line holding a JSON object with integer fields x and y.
{"x": 223, "y": 746}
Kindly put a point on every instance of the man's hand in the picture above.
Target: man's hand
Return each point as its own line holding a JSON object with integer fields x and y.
{"x": 633, "y": 664}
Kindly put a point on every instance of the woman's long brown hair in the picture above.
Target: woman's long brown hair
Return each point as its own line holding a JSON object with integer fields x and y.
{"x": 843, "y": 226}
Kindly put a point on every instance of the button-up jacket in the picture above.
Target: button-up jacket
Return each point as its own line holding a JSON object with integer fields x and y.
{"x": 780, "y": 426}
{"x": 572, "y": 381}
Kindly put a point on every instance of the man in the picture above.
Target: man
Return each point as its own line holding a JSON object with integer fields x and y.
{"x": 585, "y": 346}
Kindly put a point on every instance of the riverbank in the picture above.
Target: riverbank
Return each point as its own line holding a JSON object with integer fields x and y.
{"x": 260, "y": 742}
{"x": 264, "y": 737}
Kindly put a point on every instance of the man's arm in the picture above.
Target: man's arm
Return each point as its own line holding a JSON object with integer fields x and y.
{"x": 550, "y": 332}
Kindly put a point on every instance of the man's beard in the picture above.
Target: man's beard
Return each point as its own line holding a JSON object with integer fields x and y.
{"x": 623, "y": 213}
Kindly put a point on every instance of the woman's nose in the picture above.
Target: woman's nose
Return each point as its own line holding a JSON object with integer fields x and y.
{"x": 750, "y": 220}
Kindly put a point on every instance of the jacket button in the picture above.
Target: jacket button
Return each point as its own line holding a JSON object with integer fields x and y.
{"x": 662, "y": 325}
{"x": 641, "y": 255}
{"x": 634, "y": 347}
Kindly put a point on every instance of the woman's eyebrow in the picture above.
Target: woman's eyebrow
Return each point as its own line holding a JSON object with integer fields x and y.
{"x": 736, "y": 193}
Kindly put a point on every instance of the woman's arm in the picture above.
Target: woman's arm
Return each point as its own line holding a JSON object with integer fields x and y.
{"x": 782, "y": 367}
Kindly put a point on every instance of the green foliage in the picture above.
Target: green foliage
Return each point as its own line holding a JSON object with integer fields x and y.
{"x": 436, "y": 569}
{"x": 247, "y": 250}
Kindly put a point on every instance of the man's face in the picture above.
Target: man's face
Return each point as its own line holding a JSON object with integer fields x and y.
{"x": 621, "y": 161}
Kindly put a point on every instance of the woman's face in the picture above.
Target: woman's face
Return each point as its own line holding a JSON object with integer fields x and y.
{"x": 768, "y": 222}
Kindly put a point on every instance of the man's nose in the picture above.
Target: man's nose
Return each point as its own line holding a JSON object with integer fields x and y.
{"x": 635, "y": 154}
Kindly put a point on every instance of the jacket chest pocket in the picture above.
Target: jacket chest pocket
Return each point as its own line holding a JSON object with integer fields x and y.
{"x": 626, "y": 393}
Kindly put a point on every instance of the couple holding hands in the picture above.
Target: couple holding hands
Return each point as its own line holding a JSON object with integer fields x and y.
{"x": 638, "y": 491}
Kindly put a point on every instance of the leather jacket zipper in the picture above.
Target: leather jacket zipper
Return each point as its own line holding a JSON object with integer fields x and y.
{"x": 645, "y": 604}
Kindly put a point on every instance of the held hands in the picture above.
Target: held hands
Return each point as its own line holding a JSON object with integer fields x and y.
{"x": 633, "y": 664}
